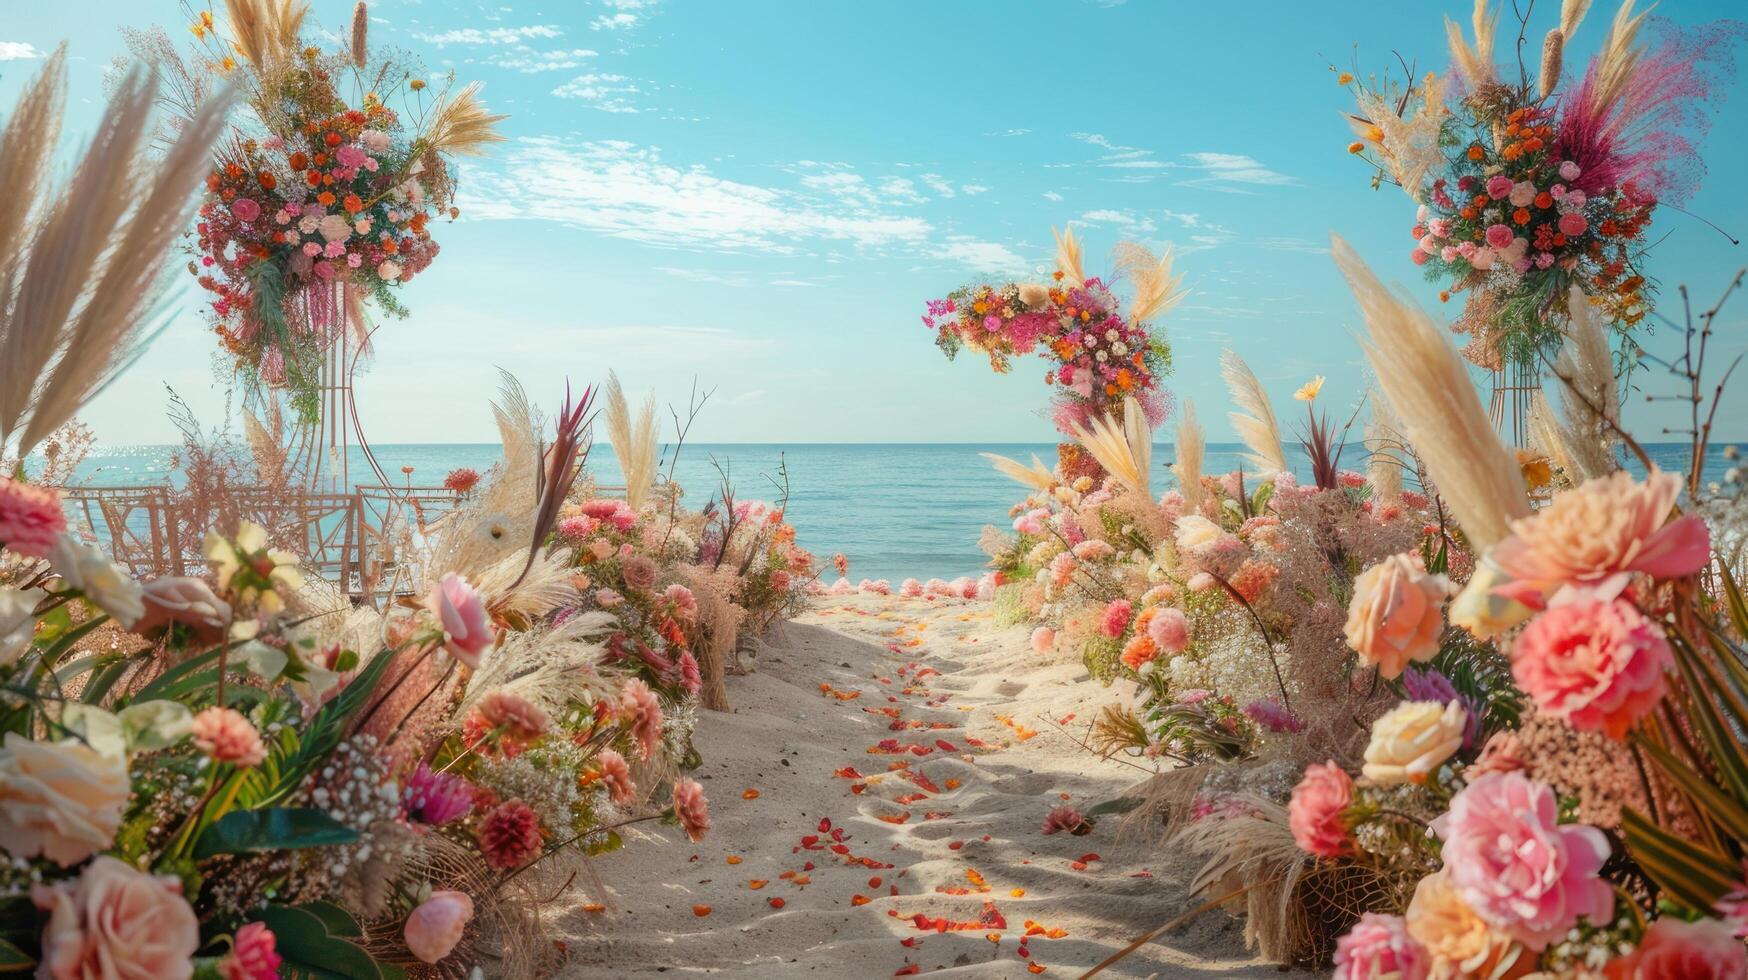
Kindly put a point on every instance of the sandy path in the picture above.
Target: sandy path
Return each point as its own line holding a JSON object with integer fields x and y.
{"x": 851, "y": 849}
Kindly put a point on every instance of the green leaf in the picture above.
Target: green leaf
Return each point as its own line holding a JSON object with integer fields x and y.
{"x": 273, "y": 829}
{"x": 13, "y": 959}
{"x": 1694, "y": 875}
{"x": 310, "y": 952}
{"x": 325, "y": 729}
{"x": 335, "y": 919}
{"x": 182, "y": 679}
{"x": 1722, "y": 808}
{"x": 603, "y": 843}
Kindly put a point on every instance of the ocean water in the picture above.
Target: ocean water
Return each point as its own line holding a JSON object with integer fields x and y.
{"x": 895, "y": 510}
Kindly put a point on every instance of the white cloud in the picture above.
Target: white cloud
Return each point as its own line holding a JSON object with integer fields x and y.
{"x": 900, "y": 189}
{"x": 1231, "y": 168}
{"x": 613, "y": 22}
{"x": 938, "y": 184}
{"x": 1132, "y": 223}
{"x": 1188, "y": 220}
{"x": 793, "y": 282}
{"x": 705, "y": 275}
{"x": 529, "y": 61}
{"x": 1052, "y": 196}
{"x": 602, "y": 90}
{"x": 973, "y": 188}
{"x": 1009, "y": 132}
{"x": 18, "y": 51}
{"x": 628, "y": 191}
{"x": 991, "y": 258}
{"x": 490, "y": 35}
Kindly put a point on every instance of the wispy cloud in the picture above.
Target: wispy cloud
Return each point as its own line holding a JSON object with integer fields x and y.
{"x": 1219, "y": 169}
{"x": 613, "y": 22}
{"x": 629, "y": 191}
{"x": 529, "y": 61}
{"x": 1229, "y": 172}
{"x": 18, "y": 51}
{"x": 600, "y": 90}
{"x": 990, "y": 258}
{"x": 491, "y": 35}
{"x": 1052, "y": 196}
{"x": 938, "y": 184}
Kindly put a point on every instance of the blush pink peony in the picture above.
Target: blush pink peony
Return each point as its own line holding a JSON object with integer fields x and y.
{"x": 1509, "y": 858}
{"x": 1599, "y": 533}
{"x": 1315, "y": 812}
{"x": 1170, "y": 630}
{"x": 61, "y": 801}
{"x": 116, "y": 923}
{"x": 225, "y": 735}
{"x": 1396, "y": 614}
{"x": 1598, "y": 666}
{"x": 467, "y": 629}
{"x": 437, "y": 925}
{"x": 31, "y": 518}
{"x": 1378, "y": 947}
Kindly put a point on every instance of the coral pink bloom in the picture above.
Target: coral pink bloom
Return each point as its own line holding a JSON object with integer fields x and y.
{"x": 1170, "y": 629}
{"x": 911, "y": 588}
{"x": 1043, "y": 638}
{"x": 253, "y": 955}
{"x": 467, "y": 630}
{"x": 1677, "y": 950}
{"x": 31, "y": 518}
{"x": 616, "y": 778}
{"x": 226, "y": 736}
{"x": 510, "y": 836}
{"x": 692, "y": 809}
{"x": 437, "y": 925}
{"x": 641, "y": 711}
{"x": 1116, "y": 618}
{"x": 1595, "y": 665}
{"x": 1511, "y": 860}
{"x": 1397, "y": 614}
{"x": 1598, "y": 533}
{"x": 1315, "y": 812}
{"x": 1378, "y": 947}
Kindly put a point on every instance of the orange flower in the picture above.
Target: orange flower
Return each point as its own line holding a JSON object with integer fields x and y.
{"x": 1476, "y": 153}
{"x": 325, "y": 198}
{"x": 267, "y": 180}
{"x": 353, "y": 203}
{"x": 298, "y": 161}
{"x": 1544, "y": 200}
{"x": 1356, "y": 147}
{"x": 1521, "y": 216}
{"x": 332, "y": 139}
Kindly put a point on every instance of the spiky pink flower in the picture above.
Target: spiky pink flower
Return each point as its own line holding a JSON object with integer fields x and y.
{"x": 461, "y": 479}
{"x": 509, "y": 722}
{"x": 435, "y": 798}
{"x": 1315, "y": 812}
{"x": 692, "y": 809}
{"x": 1066, "y": 818}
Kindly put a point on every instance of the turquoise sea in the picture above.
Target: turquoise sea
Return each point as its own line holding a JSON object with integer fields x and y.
{"x": 896, "y": 510}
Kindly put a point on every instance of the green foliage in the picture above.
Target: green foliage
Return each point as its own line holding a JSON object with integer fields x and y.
{"x": 272, "y": 829}
{"x": 1009, "y": 607}
{"x": 1103, "y": 658}
{"x": 306, "y": 940}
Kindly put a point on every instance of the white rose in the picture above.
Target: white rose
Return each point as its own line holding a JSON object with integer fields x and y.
{"x": 1111, "y": 335}
{"x": 1412, "y": 740}
{"x": 335, "y": 228}
{"x": 104, "y": 582}
{"x": 1195, "y": 531}
{"x": 17, "y": 623}
{"x": 1034, "y": 294}
{"x": 308, "y": 224}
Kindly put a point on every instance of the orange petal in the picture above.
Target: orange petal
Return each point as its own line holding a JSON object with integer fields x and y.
{"x": 700, "y": 910}
{"x": 751, "y": 794}
{"x": 757, "y": 883}
{"x": 733, "y": 859}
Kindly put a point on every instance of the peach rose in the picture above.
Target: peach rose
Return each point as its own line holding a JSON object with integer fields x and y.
{"x": 437, "y": 925}
{"x": 1412, "y": 740}
{"x": 1675, "y": 950}
{"x": 1598, "y": 534}
{"x": 59, "y": 800}
{"x": 116, "y": 923}
{"x": 1458, "y": 942}
{"x": 1395, "y": 615}
{"x": 188, "y": 601}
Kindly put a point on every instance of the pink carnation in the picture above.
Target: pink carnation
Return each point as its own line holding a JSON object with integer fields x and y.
{"x": 1595, "y": 665}
{"x": 1117, "y": 616}
{"x": 577, "y": 528}
{"x": 1170, "y": 630}
{"x": 692, "y": 809}
{"x": 1499, "y": 236}
{"x": 31, "y": 518}
{"x": 616, "y": 778}
{"x": 510, "y": 836}
{"x": 1315, "y": 812}
{"x": 1511, "y": 860}
{"x": 224, "y": 735}
{"x": 1378, "y": 947}
{"x": 1066, "y": 819}
{"x": 253, "y": 956}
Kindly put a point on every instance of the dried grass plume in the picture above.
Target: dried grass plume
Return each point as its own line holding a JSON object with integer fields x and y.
{"x": 1188, "y": 466}
{"x": 1068, "y": 256}
{"x": 633, "y": 440}
{"x": 461, "y": 125}
{"x": 1255, "y": 419}
{"x": 1156, "y": 289}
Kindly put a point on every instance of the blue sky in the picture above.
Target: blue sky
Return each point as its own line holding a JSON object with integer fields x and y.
{"x": 763, "y": 194}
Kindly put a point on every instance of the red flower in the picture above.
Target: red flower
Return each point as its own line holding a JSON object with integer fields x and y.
{"x": 509, "y": 836}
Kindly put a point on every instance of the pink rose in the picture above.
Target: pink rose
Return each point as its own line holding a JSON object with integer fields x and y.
{"x": 254, "y": 955}
{"x": 1597, "y": 534}
{"x": 437, "y": 925}
{"x": 1594, "y": 665}
{"x": 1499, "y": 236}
{"x": 1523, "y": 193}
{"x": 61, "y": 801}
{"x": 245, "y": 209}
{"x": 1569, "y": 170}
{"x": 1170, "y": 630}
{"x": 1573, "y": 224}
{"x": 116, "y": 923}
{"x": 639, "y": 573}
{"x": 467, "y": 630}
{"x": 1675, "y": 950}
{"x": 1315, "y": 812}
{"x": 1378, "y": 947}
{"x": 1510, "y": 859}
{"x": 1418, "y": 257}
{"x": 1396, "y": 614}
{"x": 1499, "y": 186}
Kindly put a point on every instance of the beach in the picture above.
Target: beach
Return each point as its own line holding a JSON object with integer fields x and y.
{"x": 1000, "y": 726}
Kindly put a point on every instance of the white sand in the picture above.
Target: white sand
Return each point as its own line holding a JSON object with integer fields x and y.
{"x": 786, "y": 738}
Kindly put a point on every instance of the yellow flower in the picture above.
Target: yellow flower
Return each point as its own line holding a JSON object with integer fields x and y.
{"x": 1345, "y": 78}
{"x": 250, "y": 569}
{"x": 1356, "y": 147}
{"x": 417, "y": 84}
{"x": 1412, "y": 740}
{"x": 1537, "y": 472}
{"x": 199, "y": 31}
{"x": 228, "y": 64}
{"x": 1308, "y": 391}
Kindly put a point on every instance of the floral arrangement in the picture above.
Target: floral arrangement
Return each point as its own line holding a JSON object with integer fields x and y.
{"x": 321, "y": 201}
{"x": 1102, "y": 353}
{"x": 1414, "y": 727}
{"x": 1528, "y": 184}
